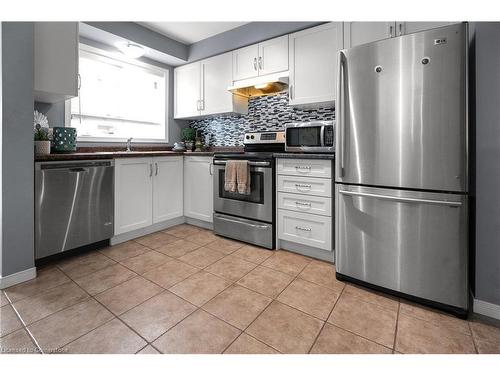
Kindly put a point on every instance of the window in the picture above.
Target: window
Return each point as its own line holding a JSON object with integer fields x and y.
{"x": 119, "y": 99}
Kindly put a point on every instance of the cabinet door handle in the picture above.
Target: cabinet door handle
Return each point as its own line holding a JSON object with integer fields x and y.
{"x": 260, "y": 62}
{"x": 202, "y": 104}
{"x": 156, "y": 169}
{"x": 79, "y": 81}
{"x": 210, "y": 169}
{"x": 255, "y": 63}
{"x": 400, "y": 28}
{"x": 150, "y": 170}
{"x": 390, "y": 31}
{"x": 290, "y": 91}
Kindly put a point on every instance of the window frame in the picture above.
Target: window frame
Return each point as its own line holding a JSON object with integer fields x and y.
{"x": 122, "y": 58}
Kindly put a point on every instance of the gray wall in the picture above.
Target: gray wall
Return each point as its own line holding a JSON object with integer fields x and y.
{"x": 487, "y": 166}
{"x": 242, "y": 36}
{"x": 17, "y": 147}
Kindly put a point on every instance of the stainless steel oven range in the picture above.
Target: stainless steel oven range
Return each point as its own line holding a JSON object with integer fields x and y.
{"x": 249, "y": 217}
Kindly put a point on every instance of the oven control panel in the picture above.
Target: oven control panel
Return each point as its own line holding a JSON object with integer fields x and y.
{"x": 264, "y": 137}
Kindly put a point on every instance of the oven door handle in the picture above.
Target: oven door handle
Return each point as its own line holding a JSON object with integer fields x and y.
{"x": 250, "y": 163}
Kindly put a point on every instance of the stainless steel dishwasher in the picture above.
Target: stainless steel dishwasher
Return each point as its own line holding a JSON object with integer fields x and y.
{"x": 74, "y": 204}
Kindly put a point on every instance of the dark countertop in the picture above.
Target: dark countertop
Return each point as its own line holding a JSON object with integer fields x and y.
{"x": 115, "y": 155}
{"x": 298, "y": 155}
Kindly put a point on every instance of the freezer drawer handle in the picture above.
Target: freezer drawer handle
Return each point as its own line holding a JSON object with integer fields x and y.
{"x": 402, "y": 199}
{"x": 303, "y": 229}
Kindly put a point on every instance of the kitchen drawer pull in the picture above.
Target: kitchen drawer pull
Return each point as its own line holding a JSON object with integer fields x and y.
{"x": 306, "y": 204}
{"x": 299, "y": 168}
{"x": 307, "y": 186}
{"x": 303, "y": 229}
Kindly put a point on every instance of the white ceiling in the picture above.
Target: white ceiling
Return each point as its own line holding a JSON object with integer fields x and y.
{"x": 111, "y": 40}
{"x": 190, "y": 32}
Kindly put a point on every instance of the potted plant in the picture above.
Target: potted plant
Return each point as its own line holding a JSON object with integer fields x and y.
{"x": 41, "y": 135}
{"x": 188, "y": 135}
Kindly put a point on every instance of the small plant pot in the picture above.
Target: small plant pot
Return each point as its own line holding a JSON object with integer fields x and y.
{"x": 42, "y": 147}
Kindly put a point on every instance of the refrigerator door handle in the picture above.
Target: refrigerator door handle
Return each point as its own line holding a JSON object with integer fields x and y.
{"x": 402, "y": 199}
{"x": 340, "y": 112}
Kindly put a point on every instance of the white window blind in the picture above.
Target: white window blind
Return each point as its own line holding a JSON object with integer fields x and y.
{"x": 118, "y": 100}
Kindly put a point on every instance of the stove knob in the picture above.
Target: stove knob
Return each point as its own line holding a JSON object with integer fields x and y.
{"x": 247, "y": 137}
{"x": 252, "y": 137}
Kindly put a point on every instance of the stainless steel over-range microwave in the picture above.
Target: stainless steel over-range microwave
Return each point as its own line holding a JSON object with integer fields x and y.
{"x": 315, "y": 136}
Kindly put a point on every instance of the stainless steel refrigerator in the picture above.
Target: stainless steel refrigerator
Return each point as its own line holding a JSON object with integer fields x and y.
{"x": 402, "y": 166}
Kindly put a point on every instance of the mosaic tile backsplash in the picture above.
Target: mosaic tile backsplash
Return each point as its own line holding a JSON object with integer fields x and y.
{"x": 264, "y": 113}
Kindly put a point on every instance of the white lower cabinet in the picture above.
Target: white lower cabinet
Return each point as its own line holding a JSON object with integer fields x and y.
{"x": 147, "y": 191}
{"x": 306, "y": 229}
{"x": 198, "y": 188}
{"x": 167, "y": 188}
{"x": 305, "y": 206}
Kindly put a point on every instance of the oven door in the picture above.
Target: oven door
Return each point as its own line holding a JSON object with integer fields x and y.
{"x": 257, "y": 205}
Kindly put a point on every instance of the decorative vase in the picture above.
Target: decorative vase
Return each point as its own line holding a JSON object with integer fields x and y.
{"x": 42, "y": 147}
{"x": 189, "y": 146}
{"x": 64, "y": 139}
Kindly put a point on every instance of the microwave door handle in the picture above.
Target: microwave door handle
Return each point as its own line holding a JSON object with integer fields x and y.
{"x": 322, "y": 136}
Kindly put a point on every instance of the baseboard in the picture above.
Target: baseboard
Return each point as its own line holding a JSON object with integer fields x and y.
{"x": 200, "y": 223}
{"x": 487, "y": 309}
{"x": 147, "y": 230}
{"x": 309, "y": 251}
{"x": 159, "y": 226}
{"x": 18, "y": 277}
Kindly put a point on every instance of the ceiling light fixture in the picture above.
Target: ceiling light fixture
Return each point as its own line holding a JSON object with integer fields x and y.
{"x": 131, "y": 50}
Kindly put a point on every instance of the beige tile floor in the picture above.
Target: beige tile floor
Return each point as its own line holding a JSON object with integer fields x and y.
{"x": 185, "y": 290}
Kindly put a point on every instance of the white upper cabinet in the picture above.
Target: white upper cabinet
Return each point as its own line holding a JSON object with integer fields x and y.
{"x": 167, "y": 187}
{"x": 216, "y": 78}
{"x": 246, "y": 62}
{"x": 187, "y": 88}
{"x": 198, "y": 188}
{"x": 55, "y": 61}
{"x": 415, "y": 27}
{"x": 270, "y": 56}
{"x": 313, "y": 64}
{"x": 357, "y": 33}
{"x": 273, "y": 56}
{"x": 201, "y": 89}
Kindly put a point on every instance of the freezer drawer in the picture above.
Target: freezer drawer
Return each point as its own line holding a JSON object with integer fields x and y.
{"x": 306, "y": 229}
{"x": 411, "y": 242}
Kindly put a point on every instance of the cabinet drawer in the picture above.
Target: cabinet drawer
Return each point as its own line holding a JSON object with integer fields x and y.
{"x": 305, "y": 203}
{"x": 306, "y": 229}
{"x": 305, "y": 185}
{"x": 305, "y": 167}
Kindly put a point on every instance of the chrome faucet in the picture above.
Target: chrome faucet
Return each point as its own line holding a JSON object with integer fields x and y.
{"x": 129, "y": 143}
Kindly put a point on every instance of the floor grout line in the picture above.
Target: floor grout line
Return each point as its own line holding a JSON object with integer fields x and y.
{"x": 197, "y": 308}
